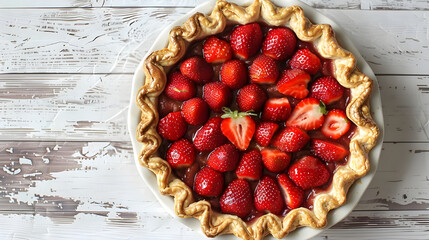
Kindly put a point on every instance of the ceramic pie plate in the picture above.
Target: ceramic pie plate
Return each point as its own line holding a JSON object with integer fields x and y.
{"x": 356, "y": 190}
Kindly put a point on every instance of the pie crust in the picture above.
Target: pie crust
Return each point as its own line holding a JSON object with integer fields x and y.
{"x": 200, "y": 26}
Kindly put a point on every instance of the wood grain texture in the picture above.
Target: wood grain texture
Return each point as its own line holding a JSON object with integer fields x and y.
{"x": 94, "y": 107}
{"x": 75, "y": 40}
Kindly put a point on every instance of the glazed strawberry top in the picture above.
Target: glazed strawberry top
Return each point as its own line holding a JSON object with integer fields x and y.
{"x": 254, "y": 122}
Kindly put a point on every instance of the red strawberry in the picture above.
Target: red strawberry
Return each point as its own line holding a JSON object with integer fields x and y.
{"x": 276, "y": 109}
{"x": 217, "y": 95}
{"x": 250, "y": 166}
{"x": 209, "y": 136}
{"x": 195, "y": 111}
{"x": 263, "y": 70}
{"x": 197, "y": 69}
{"x": 307, "y": 114}
{"x": 292, "y": 194}
{"x": 264, "y": 132}
{"x": 275, "y": 160}
{"x": 181, "y": 154}
{"x": 224, "y": 158}
{"x": 246, "y": 40}
{"x": 251, "y": 98}
{"x": 217, "y": 50}
{"x": 293, "y": 82}
{"x": 290, "y": 139}
{"x": 279, "y": 44}
{"x": 179, "y": 87}
{"x": 336, "y": 124}
{"x": 309, "y": 172}
{"x": 268, "y": 196}
{"x": 306, "y": 60}
{"x": 234, "y": 73}
{"x": 208, "y": 182}
{"x": 238, "y": 127}
{"x": 172, "y": 126}
{"x": 237, "y": 198}
{"x": 327, "y": 89}
{"x": 328, "y": 151}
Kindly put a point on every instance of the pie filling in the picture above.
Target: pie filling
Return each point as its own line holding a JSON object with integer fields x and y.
{"x": 304, "y": 131}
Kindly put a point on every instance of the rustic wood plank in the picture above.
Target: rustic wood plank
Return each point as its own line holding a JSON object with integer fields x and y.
{"x": 96, "y": 182}
{"x": 74, "y": 40}
{"x": 94, "y": 107}
{"x": 395, "y": 4}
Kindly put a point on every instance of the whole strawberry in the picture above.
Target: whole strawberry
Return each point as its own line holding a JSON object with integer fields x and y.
{"x": 179, "y": 87}
{"x": 246, "y": 40}
{"x": 197, "y": 69}
{"x": 217, "y": 95}
{"x": 224, "y": 158}
{"x": 309, "y": 172}
{"x": 251, "y": 98}
{"x": 293, "y": 82}
{"x": 237, "y": 198}
{"x": 181, "y": 154}
{"x": 290, "y": 139}
{"x": 268, "y": 196}
{"x": 209, "y": 136}
{"x": 327, "y": 89}
{"x": 217, "y": 50}
{"x": 195, "y": 111}
{"x": 276, "y": 109}
{"x": 279, "y": 44}
{"x": 292, "y": 194}
{"x": 263, "y": 70}
{"x": 234, "y": 73}
{"x": 172, "y": 126}
{"x": 238, "y": 127}
{"x": 265, "y": 132}
{"x": 306, "y": 60}
{"x": 250, "y": 166}
{"x": 275, "y": 160}
{"x": 208, "y": 182}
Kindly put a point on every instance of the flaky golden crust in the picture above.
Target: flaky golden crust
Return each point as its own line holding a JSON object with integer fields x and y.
{"x": 199, "y": 26}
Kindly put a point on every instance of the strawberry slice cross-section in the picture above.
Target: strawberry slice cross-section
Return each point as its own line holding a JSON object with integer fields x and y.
{"x": 238, "y": 127}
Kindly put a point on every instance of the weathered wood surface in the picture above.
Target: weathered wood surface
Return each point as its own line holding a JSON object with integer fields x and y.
{"x": 74, "y": 40}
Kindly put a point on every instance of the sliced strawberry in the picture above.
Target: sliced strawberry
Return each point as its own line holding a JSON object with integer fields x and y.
{"x": 238, "y": 127}
{"x": 251, "y": 98}
{"x": 309, "y": 172}
{"x": 307, "y": 114}
{"x": 197, "y": 69}
{"x": 217, "y": 50}
{"x": 268, "y": 196}
{"x": 209, "y": 136}
{"x": 264, "y": 132}
{"x": 179, "y": 87}
{"x": 336, "y": 124}
{"x": 195, "y": 111}
{"x": 172, "y": 127}
{"x": 234, "y": 74}
{"x": 275, "y": 160}
{"x": 224, "y": 158}
{"x": 306, "y": 60}
{"x": 246, "y": 40}
{"x": 208, "y": 182}
{"x": 276, "y": 109}
{"x": 290, "y": 139}
{"x": 292, "y": 194}
{"x": 250, "y": 166}
{"x": 217, "y": 95}
{"x": 293, "y": 82}
{"x": 327, "y": 89}
{"x": 263, "y": 70}
{"x": 328, "y": 151}
{"x": 279, "y": 44}
{"x": 181, "y": 154}
{"x": 237, "y": 198}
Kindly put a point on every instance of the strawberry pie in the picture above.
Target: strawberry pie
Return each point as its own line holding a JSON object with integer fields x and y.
{"x": 255, "y": 120}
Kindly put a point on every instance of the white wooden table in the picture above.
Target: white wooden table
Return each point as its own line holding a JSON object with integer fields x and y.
{"x": 67, "y": 166}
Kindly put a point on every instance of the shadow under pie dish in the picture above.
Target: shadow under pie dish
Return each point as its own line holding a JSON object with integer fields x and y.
{"x": 264, "y": 145}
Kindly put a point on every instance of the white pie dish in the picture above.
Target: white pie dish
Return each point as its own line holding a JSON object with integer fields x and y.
{"x": 355, "y": 192}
